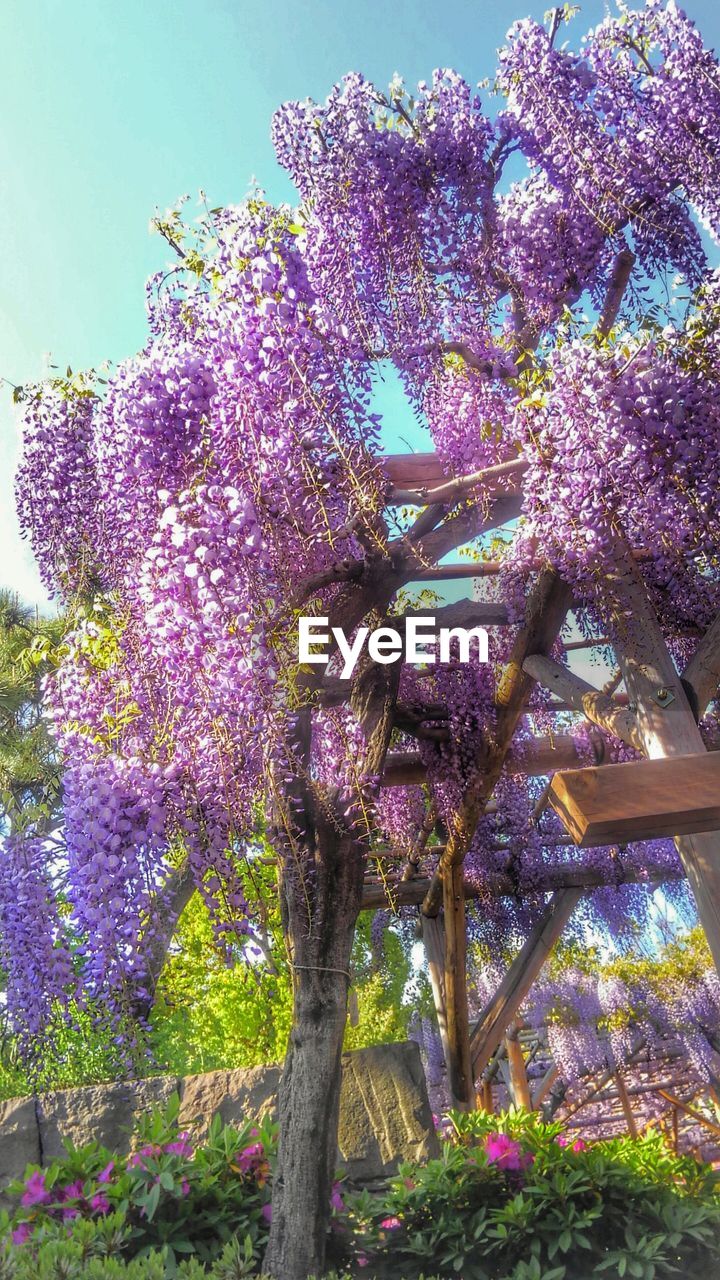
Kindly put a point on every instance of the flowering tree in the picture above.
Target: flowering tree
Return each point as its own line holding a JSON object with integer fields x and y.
{"x": 230, "y": 477}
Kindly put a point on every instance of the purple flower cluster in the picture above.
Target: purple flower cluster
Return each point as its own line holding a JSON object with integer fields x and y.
{"x": 232, "y": 470}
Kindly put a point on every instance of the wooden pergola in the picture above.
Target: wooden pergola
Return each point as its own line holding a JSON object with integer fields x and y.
{"x": 657, "y": 715}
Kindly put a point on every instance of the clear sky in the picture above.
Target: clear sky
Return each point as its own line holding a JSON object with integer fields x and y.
{"x": 110, "y": 108}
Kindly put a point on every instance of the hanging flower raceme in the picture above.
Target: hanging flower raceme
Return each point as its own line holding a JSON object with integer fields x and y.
{"x": 35, "y": 950}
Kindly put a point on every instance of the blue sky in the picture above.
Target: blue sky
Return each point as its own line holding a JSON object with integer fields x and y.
{"x": 110, "y": 108}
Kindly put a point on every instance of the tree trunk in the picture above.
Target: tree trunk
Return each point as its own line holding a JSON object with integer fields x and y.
{"x": 321, "y": 906}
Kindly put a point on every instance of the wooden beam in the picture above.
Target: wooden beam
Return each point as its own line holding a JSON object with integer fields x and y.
{"x": 414, "y": 470}
{"x": 460, "y": 1077}
{"x": 620, "y": 276}
{"x": 546, "y": 608}
{"x": 690, "y": 1111}
{"x": 545, "y": 1085}
{"x": 702, "y": 673}
{"x": 493, "y": 1022}
{"x": 626, "y": 1105}
{"x": 518, "y": 1072}
{"x": 534, "y": 759}
{"x": 665, "y": 721}
{"x": 502, "y": 476}
{"x": 433, "y": 936}
{"x": 639, "y": 800}
{"x": 555, "y": 879}
{"x": 580, "y": 696}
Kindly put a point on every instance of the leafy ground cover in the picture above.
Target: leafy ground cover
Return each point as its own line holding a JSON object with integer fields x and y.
{"x": 509, "y": 1198}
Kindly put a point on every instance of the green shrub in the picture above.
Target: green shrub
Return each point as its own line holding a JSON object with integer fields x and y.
{"x": 165, "y": 1195}
{"x": 510, "y": 1199}
{"x": 90, "y": 1253}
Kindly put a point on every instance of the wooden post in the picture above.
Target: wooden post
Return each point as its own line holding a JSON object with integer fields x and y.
{"x": 484, "y": 1098}
{"x": 665, "y": 723}
{"x": 627, "y": 1109}
{"x": 499, "y": 1013}
{"x": 518, "y": 1073}
{"x": 460, "y": 1075}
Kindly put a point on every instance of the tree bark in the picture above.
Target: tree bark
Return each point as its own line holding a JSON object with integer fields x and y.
{"x": 320, "y": 925}
{"x": 323, "y": 868}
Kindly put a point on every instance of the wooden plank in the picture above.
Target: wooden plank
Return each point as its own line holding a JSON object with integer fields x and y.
{"x": 484, "y": 1099}
{"x": 534, "y": 758}
{"x": 493, "y": 1022}
{"x": 460, "y": 1076}
{"x": 639, "y": 800}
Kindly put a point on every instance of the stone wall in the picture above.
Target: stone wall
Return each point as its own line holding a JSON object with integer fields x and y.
{"x": 384, "y": 1112}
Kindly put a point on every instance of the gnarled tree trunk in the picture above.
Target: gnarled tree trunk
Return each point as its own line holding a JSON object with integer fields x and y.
{"x": 321, "y": 902}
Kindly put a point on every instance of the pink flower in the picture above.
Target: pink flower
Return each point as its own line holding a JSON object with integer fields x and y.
{"x": 506, "y": 1153}
{"x": 362, "y": 1260}
{"x": 185, "y": 1187}
{"x": 35, "y": 1192}
{"x": 266, "y": 1212}
{"x": 390, "y": 1224}
{"x": 72, "y": 1190}
{"x": 138, "y": 1157}
{"x": 336, "y": 1201}
{"x": 107, "y": 1172}
{"x": 249, "y": 1157}
{"x": 578, "y": 1145}
{"x": 22, "y": 1233}
{"x": 99, "y": 1203}
{"x": 180, "y": 1147}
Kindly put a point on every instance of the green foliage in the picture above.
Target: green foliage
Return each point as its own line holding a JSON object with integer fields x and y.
{"x": 90, "y": 1253}
{"x": 217, "y": 1011}
{"x": 553, "y": 1213}
{"x": 519, "y": 1206}
{"x": 29, "y": 769}
{"x": 165, "y": 1196}
{"x": 209, "y": 1016}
